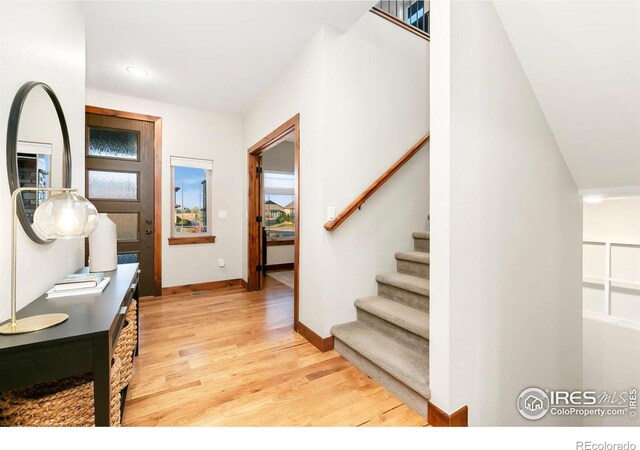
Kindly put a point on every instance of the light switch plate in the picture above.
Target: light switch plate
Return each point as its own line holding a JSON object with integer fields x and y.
{"x": 222, "y": 214}
{"x": 331, "y": 213}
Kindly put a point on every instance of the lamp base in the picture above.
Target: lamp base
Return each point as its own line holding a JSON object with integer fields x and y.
{"x": 33, "y": 323}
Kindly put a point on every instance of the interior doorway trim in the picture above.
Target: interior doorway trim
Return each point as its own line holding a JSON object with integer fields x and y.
{"x": 157, "y": 184}
{"x": 254, "y": 247}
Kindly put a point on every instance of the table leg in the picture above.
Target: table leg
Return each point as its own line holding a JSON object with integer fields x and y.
{"x": 102, "y": 381}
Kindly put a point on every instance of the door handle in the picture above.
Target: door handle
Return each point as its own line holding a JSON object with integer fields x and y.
{"x": 148, "y": 231}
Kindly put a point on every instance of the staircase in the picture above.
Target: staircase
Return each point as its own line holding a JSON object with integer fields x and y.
{"x": 389, "y": 341}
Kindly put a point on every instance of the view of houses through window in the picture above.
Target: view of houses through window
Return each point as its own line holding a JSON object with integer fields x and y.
{"x": 279, "y": 209}
{"x": 191, "y": 202}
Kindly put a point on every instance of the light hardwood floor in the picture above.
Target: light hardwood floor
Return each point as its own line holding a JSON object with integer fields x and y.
{"x": 231, "y": 358}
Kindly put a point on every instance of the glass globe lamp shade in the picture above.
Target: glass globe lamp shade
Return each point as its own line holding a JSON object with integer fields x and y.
{"x": 64, "y": 216}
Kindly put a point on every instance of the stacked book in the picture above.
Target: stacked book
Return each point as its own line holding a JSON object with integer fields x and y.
{"x": 79, "y": 284}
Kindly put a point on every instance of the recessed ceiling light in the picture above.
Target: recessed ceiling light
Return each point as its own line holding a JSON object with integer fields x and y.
{"x": 593, "y": 199}
{"x": 137, "y": 71}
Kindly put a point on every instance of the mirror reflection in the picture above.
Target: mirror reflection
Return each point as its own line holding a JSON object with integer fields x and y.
{"x": 39, "y": 149}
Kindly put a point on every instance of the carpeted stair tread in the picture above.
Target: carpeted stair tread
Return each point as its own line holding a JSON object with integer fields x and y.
{"x": 404, "y": 364}
{"x": 398, "y": 314}
{"x": 409, "y": 283}
{"x": 416, "y": 257}
{"x": 420, "y": 235}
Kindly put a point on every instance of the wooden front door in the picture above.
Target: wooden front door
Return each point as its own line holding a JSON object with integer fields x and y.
{"x": 120, "y": 182}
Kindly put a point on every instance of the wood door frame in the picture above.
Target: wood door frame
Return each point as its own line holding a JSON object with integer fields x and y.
{"x": 157, "y": 184}
{"x": 253, "y": 243}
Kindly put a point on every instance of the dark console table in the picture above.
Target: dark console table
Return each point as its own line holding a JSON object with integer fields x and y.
{"x": 83, "y": 344}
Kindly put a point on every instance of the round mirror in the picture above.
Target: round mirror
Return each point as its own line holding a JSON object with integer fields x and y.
{"x": 38, "y": 152}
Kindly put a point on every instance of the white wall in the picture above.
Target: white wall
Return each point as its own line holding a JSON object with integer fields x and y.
{"x": 598, "y": 132}
{"x": 439, "y": 272}
{"x": 377, "y": 107}
{"x": 506, "y": 230}
{"x": 200, "y": 134}
{"x": 297, "y": 90}
{"x": 613, "y": 220}
{"x": 362, "y": 98}
{"x": 41, "y": 41}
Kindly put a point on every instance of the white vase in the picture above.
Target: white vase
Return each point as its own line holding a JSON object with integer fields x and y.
{"x": 103, "y": 246}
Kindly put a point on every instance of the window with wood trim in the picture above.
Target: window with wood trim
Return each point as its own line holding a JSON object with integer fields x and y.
{"x": 191, "y": 200}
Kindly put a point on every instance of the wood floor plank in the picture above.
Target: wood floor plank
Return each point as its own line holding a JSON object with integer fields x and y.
{"x": 231, "y": 358}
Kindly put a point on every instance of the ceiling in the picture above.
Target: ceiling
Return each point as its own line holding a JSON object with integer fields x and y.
{"x": 583, "y": 62}
{"x": 216, "y": 55}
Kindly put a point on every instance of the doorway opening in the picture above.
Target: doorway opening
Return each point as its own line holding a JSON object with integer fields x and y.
{"x": 278, "y": 230}
{"x": 274, "y": 210}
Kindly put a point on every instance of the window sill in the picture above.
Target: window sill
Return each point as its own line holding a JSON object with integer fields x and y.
{"x": 279, "y": 242}
{"x": 192, "y": 240}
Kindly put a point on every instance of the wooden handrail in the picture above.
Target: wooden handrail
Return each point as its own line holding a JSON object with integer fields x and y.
{"x": 393, "y": 19}
{"x": 368, "y": 192}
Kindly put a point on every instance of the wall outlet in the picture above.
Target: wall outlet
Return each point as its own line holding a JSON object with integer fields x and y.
{"x": 331, "y": 213}
{"x": 222, "y": 214}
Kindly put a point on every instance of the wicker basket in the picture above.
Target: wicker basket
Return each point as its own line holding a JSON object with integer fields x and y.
{"x": 124, "y": 348}
{"x": 63, "y": 403}
{"x": 132, "y": 312}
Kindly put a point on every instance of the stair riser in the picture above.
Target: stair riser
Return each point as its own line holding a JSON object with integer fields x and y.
{"x": 413, "y": 268}
{"x": 394, "y": 332}
{"x": 408, "y": 298}
{"x": 421, "y": 245}
{"x": 400, "y": 390}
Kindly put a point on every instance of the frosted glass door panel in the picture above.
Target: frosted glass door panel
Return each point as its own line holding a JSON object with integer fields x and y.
{"x": 127, "y": 258}
{"x": 126, "y": 224}
{"x": 118, "y": 144}
{"x": 113, "y": 185}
